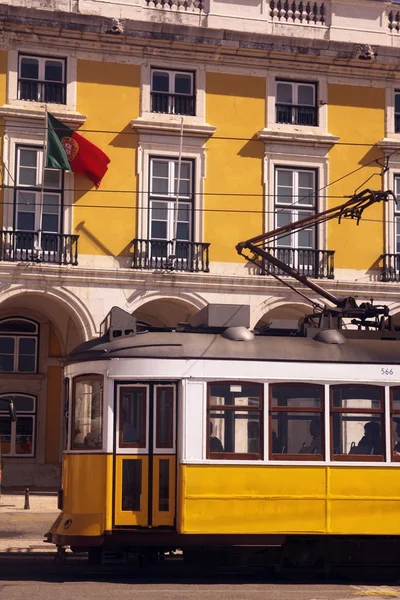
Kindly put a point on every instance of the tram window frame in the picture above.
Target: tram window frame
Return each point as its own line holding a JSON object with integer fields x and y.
{"x": 394, "y": 414}
{"x": 223, "y": 408}
{"x": 76, "y": 380}
{"x": 358, "y": 411}
{"x": 141, "y": 444}
{"x": 299, "y": 409}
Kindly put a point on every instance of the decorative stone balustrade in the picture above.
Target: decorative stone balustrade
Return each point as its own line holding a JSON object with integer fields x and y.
{"x": 180, "y": 5}
{"x": 308, "y": 13}
{"x": 394, "y": 20}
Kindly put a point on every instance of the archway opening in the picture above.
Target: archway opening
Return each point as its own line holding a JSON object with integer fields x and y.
{"x": 165, "y": 312}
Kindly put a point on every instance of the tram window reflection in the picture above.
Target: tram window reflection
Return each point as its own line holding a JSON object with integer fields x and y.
{"x": 87, "y": 413}
{"x": 235, "y": 420}
{"x": 296, "y": 422}
{"x": 132, "y": 417}
{"x": 395, "y": 422}
{"x": 357, "y": 422}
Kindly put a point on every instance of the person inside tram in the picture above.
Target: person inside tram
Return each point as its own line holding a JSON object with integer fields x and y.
{"x": 215, "y": 442}
{"x": 396, "y": 448}
{"x": 371, "y": 442}
{"x": 315, "y": 445}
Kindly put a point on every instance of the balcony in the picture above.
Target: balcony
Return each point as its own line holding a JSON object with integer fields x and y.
{"x": 23, "y": 246}
{"x": 297, "y": 115}
{"x": 172, "y": 104}
{"x": 158, "y": 255}
{"x": 318, "y": 264}
{"x": 41, "y": 91}
{"x": 391, "y": 267}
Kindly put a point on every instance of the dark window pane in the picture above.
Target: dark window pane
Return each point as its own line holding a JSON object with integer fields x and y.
{"x": 397, "y": 103}
{"x": 240, "y": 394}
{"x": 159, "y": 230}
{"x": 27, "y": 346}
{"x": 50, "y": 223}
{"x": 284, "y": 93}
{"x": 359, "y": 397}
{"x": 163, "y": 498}
{"x": 17, "y": 326}
{"x": 53, "y": 71}
{"x": 29, "y": 68}
{"x": 183, "y": 231}
{"x": 133, "y": 417}
{"x": 160, "y": 81}
{"x": 234, "y": 431}
{"x": 131, "y": 484}
{"x": 26, "y": 221}
{"x": 296, "y": 433}
{"x": 396, "y": 435}
{"x": 87, "y": 408}
{"x": 299, "y": 396}
{"x": 6, "y": 362}
{"x": 164, "y": 417}
{"x": 24, "y": 403}
{"x": 355, "y": 434}
{"x": 183, "y": 83}
{"x": 305, "y": 95}
{"x": 7, "y": 345}
{"x": 24, "y": 435}
{"x": 28, "y": 158}
{"x": 26, "y": 363}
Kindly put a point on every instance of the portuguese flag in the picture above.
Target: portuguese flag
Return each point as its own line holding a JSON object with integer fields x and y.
{"x": 70, "y": 151}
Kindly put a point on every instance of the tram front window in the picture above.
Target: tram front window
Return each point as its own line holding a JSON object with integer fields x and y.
{"x": 296, "y": 422}
{"x": 87, "y": 413}
{"x": 235, "y": 420}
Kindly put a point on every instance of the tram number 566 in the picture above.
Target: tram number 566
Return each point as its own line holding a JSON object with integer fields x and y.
{"x": 387, "y": 371}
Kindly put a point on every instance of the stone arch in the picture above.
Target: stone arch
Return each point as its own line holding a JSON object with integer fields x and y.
{"x": 166, "y": 311}
{"x": 292, "y": 311}
{"x": 71, "y": 321}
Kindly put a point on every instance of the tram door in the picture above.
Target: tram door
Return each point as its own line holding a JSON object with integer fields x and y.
{"x": 145, "y": 460}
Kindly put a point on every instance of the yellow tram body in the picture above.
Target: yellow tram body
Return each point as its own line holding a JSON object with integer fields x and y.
{"x": 134, "y": 495}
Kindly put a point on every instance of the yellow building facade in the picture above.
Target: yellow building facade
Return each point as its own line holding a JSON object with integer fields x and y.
{"x": 264, "y": 118}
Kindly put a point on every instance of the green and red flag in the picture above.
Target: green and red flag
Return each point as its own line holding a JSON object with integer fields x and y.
{"x": 70, "y": 151}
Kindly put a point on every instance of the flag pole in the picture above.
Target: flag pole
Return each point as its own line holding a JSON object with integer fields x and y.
{"x": 39, "y": 242}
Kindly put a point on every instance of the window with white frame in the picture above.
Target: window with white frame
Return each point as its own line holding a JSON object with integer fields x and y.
{"x": 295, "y": 199}
{"x": 172, "y": 92}
{"x": 397, "y": 215}
{"x": 296, "y": 103}
{"x": 36, "y": 209}
{"x": 170, "y": 211}
{"x": 41, "y": 79}
{"x": 17, "y": 438}
{"x": 18, "y": 345}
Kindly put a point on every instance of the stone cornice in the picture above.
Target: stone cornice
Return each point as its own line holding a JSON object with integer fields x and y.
{"x": 325, "y": 140}
{"x": 17, "y": 112}
{"x": 389, "y": 144}
{"x": 192, "y": 128}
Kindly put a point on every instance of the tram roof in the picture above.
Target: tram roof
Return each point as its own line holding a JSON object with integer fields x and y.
{"x": 211, "y": 346}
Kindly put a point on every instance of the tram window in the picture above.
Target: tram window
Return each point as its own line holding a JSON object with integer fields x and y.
{"x": 131, "y": 485}
{"x": 164, "y": 416}
{"x": 395, "y": 422}
{"x": 296, "y": 417}
{"x": 357, "y": 422}
{"x": 235, "y": 420}
{"x": 87, "y": 413}
{"x": 132, "y": 417}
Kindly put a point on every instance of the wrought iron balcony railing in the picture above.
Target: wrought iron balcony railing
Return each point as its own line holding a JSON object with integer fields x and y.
{"x": 161, "y": 255}
{"x": 172, "y": 104}
{"x": 391, "y": 267}
{"x": 23, "y": 246}
{"x": 312, "y": 263}
{"x": 41, "y": 91}
{"x": 297, "y": 115}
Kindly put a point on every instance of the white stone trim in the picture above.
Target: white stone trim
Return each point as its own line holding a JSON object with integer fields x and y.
{"x": 70, "y": 77}
{"x": 168, "y": 147}
{"x": 388, "y": 145}
{"x": 321, "y": 102}
{"x": 36, "y": 111}
{"x": 200, "y": 92}
{"x": 297, "y": 158}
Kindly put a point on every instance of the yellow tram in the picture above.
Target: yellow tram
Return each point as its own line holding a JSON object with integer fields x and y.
{"x": 211, "y": 435}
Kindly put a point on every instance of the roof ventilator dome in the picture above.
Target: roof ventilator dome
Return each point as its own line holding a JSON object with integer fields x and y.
{"x": 330, "y": 336}
{"x": 238, "y": 334}
{"x": 118, "y": 324}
